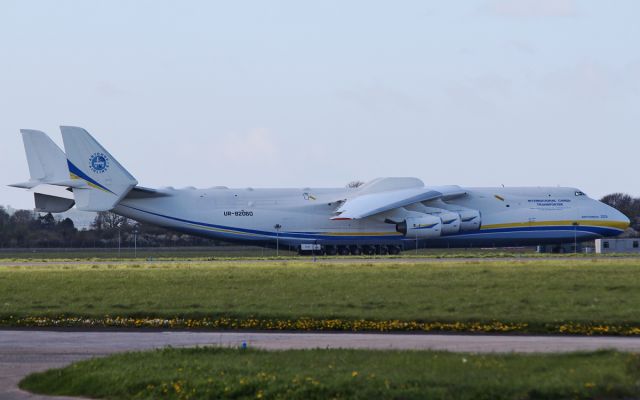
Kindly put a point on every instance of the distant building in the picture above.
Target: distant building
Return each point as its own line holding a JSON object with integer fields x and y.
{"x": 604, "y": 246}
{"x": 561, "y": 248}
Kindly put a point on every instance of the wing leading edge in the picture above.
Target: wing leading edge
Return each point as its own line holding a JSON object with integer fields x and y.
{"x": 368, "y": 204}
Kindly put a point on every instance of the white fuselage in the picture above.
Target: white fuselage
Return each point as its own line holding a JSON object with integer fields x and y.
{"x": 509, "y": 216}
{"x": 389, "y": 213}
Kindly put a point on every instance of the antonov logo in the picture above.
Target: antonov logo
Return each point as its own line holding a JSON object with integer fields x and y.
{"x": 99, "y": 163}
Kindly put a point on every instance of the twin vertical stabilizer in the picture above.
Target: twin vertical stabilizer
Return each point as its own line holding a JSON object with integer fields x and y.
{"x": 47, "y": 163}
{"x": 97, "y": 179}
{"x": 106, "y": 182}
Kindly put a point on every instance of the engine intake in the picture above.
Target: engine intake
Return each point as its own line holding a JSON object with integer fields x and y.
{"x": 420, "y": 227}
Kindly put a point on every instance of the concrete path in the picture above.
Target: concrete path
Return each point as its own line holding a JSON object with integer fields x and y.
{"x": 26, "y": 351}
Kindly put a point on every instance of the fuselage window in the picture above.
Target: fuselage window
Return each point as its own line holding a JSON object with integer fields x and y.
{"x": 578, "y": 193}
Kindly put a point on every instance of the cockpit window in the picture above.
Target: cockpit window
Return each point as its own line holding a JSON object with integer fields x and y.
{"x": 579, "y": 193}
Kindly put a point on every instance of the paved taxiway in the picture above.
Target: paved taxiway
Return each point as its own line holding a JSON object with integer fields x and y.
{"x": 26, "y": 351}
{"x": 309, "y": 260}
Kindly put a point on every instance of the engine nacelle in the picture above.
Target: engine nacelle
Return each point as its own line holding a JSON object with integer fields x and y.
{"x": 420, "y": 227}
{"x": 469, "y": 220}
{"x": 451, "y": 222}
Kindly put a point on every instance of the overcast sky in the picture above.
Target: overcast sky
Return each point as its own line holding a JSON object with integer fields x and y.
{"x": 295, "y": 94}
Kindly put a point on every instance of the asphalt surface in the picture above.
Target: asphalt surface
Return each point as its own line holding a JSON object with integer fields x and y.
{"x": 25, "y": 351}
{"x": 310, "y": 260}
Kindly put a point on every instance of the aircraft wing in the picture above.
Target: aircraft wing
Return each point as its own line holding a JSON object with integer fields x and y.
{"x": 370, "y": 204}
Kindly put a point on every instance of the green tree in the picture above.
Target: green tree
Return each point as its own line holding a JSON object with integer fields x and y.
{"x": 627, "y": 205}
{"x": 106, "y": 221}
{"x": 4, "y": 226}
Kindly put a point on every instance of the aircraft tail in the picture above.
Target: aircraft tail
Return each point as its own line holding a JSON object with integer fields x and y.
{"x": 47, "y": 163}
{"x": 47, "y": 166}
{"x": 104, "y": 182}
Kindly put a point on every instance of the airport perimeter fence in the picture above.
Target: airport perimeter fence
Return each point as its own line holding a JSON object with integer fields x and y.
{"x": 144, "y": 252}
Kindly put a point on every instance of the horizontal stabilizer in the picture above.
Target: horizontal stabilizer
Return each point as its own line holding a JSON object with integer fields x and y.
{"x": 25, "y": 185}
{"x": 71, "y": 183}
{"x": 53, "y": 204}
{"x": 140, "y": 192}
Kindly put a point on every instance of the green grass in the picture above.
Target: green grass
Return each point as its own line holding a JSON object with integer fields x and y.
{"x": 213, "y": 373}
{"x": 536, "y": 292}
{"x": 253, "y": 254}
{"x": 250, "y": 252}
{"x": 156, "y": 253}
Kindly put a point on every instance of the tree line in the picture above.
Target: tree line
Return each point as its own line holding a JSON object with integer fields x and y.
{"x": 28, "y": 229}
{"x": 626, "y": 204}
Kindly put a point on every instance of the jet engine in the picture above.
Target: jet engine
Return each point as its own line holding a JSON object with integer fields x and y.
{"x": 469, "y": 220}
{"x": 450, "y": 222}
{"x": 424, "y": 227}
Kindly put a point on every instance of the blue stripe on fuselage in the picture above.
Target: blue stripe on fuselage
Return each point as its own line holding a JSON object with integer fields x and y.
{"x": 498, "y": 232}
{"x": 295, "y": 235}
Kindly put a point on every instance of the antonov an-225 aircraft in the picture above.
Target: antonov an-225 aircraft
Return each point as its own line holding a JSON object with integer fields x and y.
{"x": 384, "y": 215}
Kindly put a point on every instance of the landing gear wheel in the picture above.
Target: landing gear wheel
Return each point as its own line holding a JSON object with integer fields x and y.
{"x": 382, "y": 250}
{"x": 356, "y": 251}
{"x": 394, "y": 250}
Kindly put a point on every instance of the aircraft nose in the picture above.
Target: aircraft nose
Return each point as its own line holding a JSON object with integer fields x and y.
{"x": 622, "y": 220}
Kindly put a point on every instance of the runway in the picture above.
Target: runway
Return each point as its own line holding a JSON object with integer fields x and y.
{"x": 26, "y": 351}
{"x": 308, "y": 260}
{"x": 214, "y": 262}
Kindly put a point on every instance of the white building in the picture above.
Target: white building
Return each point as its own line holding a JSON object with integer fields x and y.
{"x": 604, "y": 246}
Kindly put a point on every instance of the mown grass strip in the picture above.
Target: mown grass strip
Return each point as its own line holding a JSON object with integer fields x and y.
{"x": 354, "y": 374}
{"x": 571, "y": 296}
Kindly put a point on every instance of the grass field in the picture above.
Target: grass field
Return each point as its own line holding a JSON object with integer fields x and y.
{"x": 534, "y": 292}
{"x": 232, "y": 251}
{"x": 355, "y": 374}
{"x": 142, "y": 253}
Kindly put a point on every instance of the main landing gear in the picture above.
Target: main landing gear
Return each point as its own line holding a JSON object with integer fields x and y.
{"x": 354, "y": 250}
